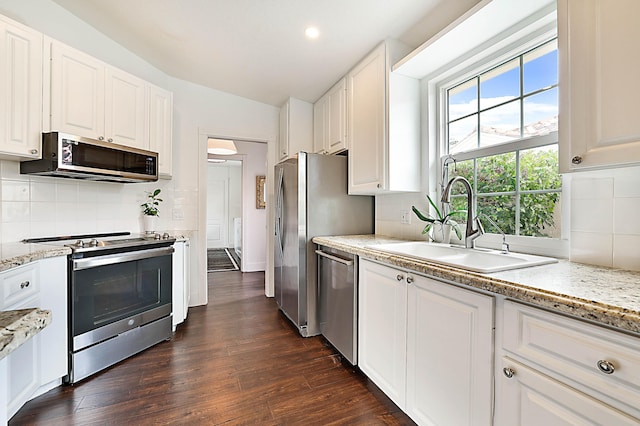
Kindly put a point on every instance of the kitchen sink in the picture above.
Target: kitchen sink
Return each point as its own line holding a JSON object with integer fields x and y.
{"x": 476, "y": 259}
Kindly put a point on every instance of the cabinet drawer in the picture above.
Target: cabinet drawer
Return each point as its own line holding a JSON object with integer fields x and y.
{"x": 597, "y": 360}
{"x": 18, "y": 284}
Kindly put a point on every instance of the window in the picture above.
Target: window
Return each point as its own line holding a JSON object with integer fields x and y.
{"x": 501, "y": 134}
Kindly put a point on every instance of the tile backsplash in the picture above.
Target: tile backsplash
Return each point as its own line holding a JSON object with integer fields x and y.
{"x": 33, "y": 206}
{"x": 605, "y": 218}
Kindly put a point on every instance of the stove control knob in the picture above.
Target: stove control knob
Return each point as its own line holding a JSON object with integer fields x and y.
{"x": 156, "y": 236}
{"x": 93, "y": 243}
{"x": 80, "y": 243}
{"x": 165, "y": 236}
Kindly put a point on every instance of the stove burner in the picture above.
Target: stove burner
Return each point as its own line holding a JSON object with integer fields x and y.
{"x": 96, "y": 242}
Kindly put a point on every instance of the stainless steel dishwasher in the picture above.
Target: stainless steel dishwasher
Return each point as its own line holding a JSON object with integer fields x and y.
{"x": 338, "y": 298}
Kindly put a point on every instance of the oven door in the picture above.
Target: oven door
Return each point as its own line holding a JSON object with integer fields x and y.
{"x": 113, "y": 293}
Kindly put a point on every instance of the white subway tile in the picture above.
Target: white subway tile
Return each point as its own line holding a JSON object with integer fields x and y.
{"x": 14, "y": 212}
{"x": 600, "y": 188}
{"x": 588, "y": 215}
{"x": 13, "y": 190}
{"x": 627, "y": 216}
{"x": 626, "y": 252}
{"x": 43, "y": 191}
{"x": 592, "y": 248}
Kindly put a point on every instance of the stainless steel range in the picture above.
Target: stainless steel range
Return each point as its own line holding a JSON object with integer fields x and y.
{"x": 119, "y": 297}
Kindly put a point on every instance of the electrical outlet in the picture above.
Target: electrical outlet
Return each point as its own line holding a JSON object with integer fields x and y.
{"x": 405, "y": 217}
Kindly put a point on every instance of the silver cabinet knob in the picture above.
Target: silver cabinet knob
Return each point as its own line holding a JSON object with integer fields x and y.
{"x": 24, "y": 284}
{"x": 509, "y": 372}
{"x": 110, "y": 140}
{"x": 100, "y": 138}
{"x": 399, "y": 277}
{"x": 605, "y": 366}
{"x": 34, "y": 151}
{"x": 576, "y": 160}
{"x": 409, "y": 280}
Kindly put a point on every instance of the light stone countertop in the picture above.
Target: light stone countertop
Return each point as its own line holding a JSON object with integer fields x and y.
{"x": 16, "y": 254}
{"x": 604, "y": 295}
{"x": 16, "y": 327}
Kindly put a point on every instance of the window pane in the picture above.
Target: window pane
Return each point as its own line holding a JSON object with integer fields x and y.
{"x": 541, "y": 113}
{"x": 463, "y": 135}
{"x": 541, "y": 67}
{"x": 500, "y": 85}
{"x": 502, "y": 209}
{"x": 497, "y": 173}
{"x": 463, "y": 99}
{"x": 464, "y": 169}
{"x": 539, "y": 169}
{"x": 501, "y": 124}
{"x": 540, "y": 215}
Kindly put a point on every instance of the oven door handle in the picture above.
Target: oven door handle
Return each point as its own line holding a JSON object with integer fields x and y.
{"x": 111, "y": 259}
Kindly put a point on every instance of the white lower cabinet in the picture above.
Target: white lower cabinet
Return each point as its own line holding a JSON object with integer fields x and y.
{"x": 181, "y": 281}
{"x": 40, "y": 363}
{"x": 428, "y": 345}
{"x": 557, "y": 370}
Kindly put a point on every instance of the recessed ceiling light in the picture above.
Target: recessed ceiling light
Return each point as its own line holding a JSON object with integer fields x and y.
{"x": 312, "y": 32}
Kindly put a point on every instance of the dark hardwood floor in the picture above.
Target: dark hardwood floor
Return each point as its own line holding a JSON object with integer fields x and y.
{"x": 235, "y": 361}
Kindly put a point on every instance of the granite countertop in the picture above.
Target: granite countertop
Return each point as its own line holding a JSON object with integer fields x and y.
{"x": 16, "y": 254}
{"x": 604, "y": 295}
{"x": 16, "y": 327}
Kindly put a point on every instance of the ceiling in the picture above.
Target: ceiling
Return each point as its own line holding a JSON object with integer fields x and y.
{"x": 257, "y": 48}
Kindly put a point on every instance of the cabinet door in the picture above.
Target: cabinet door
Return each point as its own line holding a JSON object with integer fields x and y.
{"x": 382, "y": 328}
{"x": 53, "y": 339}
{"x": 23, "y": 374}
{"x": 449, "y": 354}
{"x": 283, "y": 140}
{"x": 125, "y": 117}
{"x": 531, "y": 398}
{"x": 337, "y": 117}
{"x": 21, "y": 100}
{"x": 77, "y": 92}
{"x": 161, "y": 128}
{"x": 599, "y": 86}
{"x": 320, "y": 136}
{"x": 367, "y": 117}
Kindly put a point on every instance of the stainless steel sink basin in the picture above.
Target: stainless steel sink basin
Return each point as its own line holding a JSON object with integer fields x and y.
{"x": 477, "y": 260}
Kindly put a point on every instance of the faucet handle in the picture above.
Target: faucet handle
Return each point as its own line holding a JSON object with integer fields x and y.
{"x": 505, "y": 247}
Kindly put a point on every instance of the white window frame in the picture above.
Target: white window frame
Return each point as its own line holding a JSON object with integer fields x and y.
{"x": 436, "y": 101}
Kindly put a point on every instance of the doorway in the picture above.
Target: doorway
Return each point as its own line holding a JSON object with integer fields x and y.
{"x": 224, "y": 209}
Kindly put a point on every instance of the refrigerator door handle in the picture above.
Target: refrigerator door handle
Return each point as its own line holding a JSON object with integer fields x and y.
{"x": 279, "y": 208}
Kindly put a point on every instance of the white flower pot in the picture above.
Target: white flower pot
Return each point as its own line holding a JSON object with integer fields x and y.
{"x": 441, "y": 233}
{"x": 149, "y": 224}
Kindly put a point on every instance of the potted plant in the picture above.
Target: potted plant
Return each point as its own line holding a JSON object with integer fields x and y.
{"x": 150, "y": 211}
{"x": 440, "y": 224}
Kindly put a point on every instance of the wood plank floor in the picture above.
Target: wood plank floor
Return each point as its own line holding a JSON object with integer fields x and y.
{"x": 236, "y": 361}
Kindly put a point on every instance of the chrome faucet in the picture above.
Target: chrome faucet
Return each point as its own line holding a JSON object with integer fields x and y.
{"x": 474, "y": 227}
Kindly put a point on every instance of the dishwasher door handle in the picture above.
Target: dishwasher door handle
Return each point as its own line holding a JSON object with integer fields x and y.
{"x": 336, "y": 258}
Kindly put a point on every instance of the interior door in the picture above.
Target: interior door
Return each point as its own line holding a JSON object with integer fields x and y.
{"x": 217, "y": 211}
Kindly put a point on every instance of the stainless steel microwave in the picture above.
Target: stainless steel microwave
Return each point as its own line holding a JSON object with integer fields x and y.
{"x": 69, "y": 156}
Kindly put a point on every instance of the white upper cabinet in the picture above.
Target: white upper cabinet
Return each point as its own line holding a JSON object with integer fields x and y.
{"x": 383, "y": 125}
{"x": 91, "y": 99}
{"x": 21, "y": 93}
{"x": 161, "y": 128}
{"x": 599, "y": 85}
{"x": 77, "y": 93}
{"x": 125, "y": 118}
{"x": 296, "y": 128}
{"x": 330, "y": 120}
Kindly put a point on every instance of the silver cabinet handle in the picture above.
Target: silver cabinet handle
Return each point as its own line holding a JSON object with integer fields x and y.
{"x": 100, "y": 138}
{"x": 409, "y": 280}
{"x": 109, "y": 140}
{"x": 347, "y": 262}
{"x": 576, "y": 160}
{"x": 509, "y": 372}
{"x": 399, "y": 277}
{"x": 605, "y": 366}
{"x": 24, "y": 284}
{"x": 34, "y": 151}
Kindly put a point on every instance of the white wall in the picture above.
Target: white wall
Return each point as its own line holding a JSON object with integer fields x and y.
{"x": 47, "y": 206}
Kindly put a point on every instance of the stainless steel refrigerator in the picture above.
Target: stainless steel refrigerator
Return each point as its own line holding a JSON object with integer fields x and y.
{"x": 311, "y": 200}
